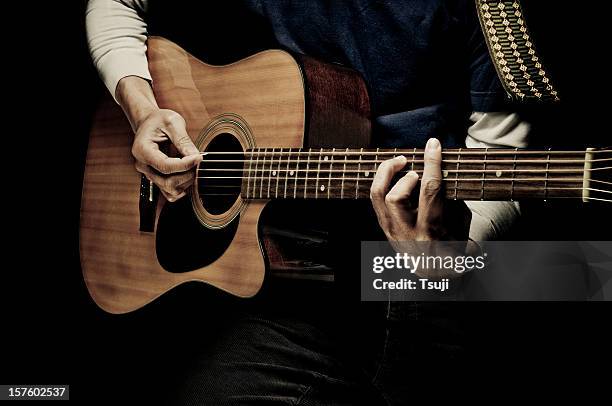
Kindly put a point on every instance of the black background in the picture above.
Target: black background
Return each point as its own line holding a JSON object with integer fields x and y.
{"x": 53, "y": 333}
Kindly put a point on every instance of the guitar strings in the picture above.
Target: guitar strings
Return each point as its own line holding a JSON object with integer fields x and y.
{"x": 310, "y": 191}
{"x": 314, "y": 170}
{"x": 326, "y": 178}
{"x": 450, "y": 161}
{"x": 467, "y": 151}
{"x": 325, "y": 182}
{"x": 350, "y": 196}
{"x": 270, "y": 164}
{"x": 516, "y": 188}
{"x": 268, "y": 171}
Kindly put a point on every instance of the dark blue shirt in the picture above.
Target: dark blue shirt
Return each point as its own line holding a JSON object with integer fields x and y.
{"x": 425, "y": 62}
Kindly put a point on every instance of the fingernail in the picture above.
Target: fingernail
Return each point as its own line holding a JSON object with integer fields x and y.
{"x": 433, "y": 144}
{"x": 413, "y": 174}
{"x": 400, "y": 157}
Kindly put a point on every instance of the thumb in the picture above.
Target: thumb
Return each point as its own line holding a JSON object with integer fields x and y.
{"x": 177, "y": 133}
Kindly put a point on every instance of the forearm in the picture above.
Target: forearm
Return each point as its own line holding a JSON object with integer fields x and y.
{"x": 136, "y": 98}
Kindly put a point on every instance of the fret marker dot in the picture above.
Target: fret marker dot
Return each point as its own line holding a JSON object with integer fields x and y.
{"x": 322, "y": 188}
{"x": 367, "y": 174}
{"x": 498, "y": 173}
{"x": 273, "y": 173}
{"x": 445, "y": 174}
{"x": 325, "y": 159}
{"x": 291, "y": 173}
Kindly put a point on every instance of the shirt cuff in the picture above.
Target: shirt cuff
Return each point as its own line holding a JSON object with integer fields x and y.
{"x": 120, "y": 64}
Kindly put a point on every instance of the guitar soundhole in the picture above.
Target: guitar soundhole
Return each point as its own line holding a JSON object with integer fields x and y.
{"x": 220, "y": 174}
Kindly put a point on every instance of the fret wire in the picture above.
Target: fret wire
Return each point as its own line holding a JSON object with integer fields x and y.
{"x": 330, "y": 173}
{"x": 343, "y": 175}
{"x": 249, "y": 178}
{"x": 376, "y": 163}
{"x": 297, "y": 172}
{"x": 307, "y": 170}
{"x": 484, "y": 174}
{"x": 255, "y": 183}
{"x": 359, "y": 171}
{"x": 546, "y": 180}
{"x": 325, "y": 159}
{"x": 263, "y": 166}
{"x": 318, "y": 174}
{"x": 376, "y": 160}
{"x": 413, "y": 159}
{"x": 287, "y": 175}
{"x": 270, "y": 172}
{"x": 280, "y": 158}
{"x": 457, "y": 173}
{"x": 513, "y": 169}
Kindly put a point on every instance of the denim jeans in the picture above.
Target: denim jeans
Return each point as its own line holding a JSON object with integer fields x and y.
{"x": 315, "y": 347}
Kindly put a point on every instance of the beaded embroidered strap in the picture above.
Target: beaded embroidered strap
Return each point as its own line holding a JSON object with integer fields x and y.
{"x": 518, "y": 66}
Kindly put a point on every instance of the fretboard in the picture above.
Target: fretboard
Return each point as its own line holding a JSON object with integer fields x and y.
{"x": 467, "y": 174}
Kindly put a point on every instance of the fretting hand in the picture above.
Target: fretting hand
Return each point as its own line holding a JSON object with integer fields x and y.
{"x": 433, "y": 218}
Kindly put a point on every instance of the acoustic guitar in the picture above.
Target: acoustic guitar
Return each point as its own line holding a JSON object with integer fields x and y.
{"x": 270, "y": 127}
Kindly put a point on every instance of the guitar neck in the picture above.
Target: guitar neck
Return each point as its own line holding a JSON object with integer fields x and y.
{"x": 467, "y": 174}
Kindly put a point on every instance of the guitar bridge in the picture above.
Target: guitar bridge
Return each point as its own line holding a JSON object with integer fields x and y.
{"x": 147, "y": 204}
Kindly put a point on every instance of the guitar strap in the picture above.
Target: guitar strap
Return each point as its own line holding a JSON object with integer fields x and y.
{"x": 518, "y": 66}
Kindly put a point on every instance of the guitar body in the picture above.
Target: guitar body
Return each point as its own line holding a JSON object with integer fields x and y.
{"x": 270, "y": 99}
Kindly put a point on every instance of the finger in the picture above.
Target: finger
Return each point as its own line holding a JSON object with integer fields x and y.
{"x": 166, "y": 165}
{"x": 173, "y": 198}
{"x": 430, "y": 198}
{"x": 171, "y": 186}
{"x": 398, "y": 199}
{"x": 176, "y": 131}
{"x": 382, "y": 180}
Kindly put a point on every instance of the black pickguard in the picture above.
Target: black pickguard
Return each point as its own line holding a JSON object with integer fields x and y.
{"x": 184, "y": 244}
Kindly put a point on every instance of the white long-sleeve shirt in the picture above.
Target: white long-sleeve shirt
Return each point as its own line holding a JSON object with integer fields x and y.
{"x": 117, "y": 33}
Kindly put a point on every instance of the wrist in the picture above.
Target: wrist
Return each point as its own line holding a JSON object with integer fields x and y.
{"x": 135, "y": 96}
